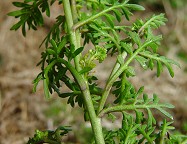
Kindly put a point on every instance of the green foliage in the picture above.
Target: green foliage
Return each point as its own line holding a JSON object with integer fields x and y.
{"x": 30, "y": 14}
{"x": 98, "y": 23}
{"x": 52, "y": 137}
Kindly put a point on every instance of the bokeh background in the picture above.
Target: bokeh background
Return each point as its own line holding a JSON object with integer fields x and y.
{"x": 22, "y": 111}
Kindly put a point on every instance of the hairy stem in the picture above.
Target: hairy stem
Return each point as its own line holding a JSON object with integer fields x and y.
{"x": 75, "y": 40}
{"x": 95, "y": 121}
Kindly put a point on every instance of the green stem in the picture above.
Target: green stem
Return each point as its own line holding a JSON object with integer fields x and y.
{"x": 81, "y": 23}
{"x": 123, "y": 82}
{"x": 164, "y": 130}
{"x": 75, "y": 40}
{"x": 146, "y": 135}
{"x": 120, "y": 108}
{"x": 95, "y": 121}
{"x": 73, "y": 37}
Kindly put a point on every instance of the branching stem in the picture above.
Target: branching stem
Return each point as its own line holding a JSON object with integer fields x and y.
{"x": 75, "y": 40}
{"x": 117, "y": 74}
{"x": 81, "y": 23}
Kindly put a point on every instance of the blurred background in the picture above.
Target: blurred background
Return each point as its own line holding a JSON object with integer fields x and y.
{"x": 22, "y": 111}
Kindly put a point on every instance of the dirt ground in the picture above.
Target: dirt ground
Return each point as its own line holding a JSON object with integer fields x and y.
{"x": 22, "y": 111}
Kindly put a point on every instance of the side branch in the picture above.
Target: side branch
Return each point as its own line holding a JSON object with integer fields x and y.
{"x": 116, "y": 75}
{"x": 81, "y": 23}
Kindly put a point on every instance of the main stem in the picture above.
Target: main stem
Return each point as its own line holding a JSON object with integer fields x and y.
{"x": 74, "y": 39}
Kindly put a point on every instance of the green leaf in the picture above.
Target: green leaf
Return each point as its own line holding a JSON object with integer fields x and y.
{"x": 168, "y": 105}
{"x": 128, "y": 47}
{"x": 23, "y": 30}
{"x": 85, "y": 70}
{"x": 50, "y": 51}
{"x": 17, "y": 25}
{"x": 117, "y": 14}
{"x": 53, "y": 43}
{"x": 140, "y": 91}
{"x": 155, "y": 99}
{"x": 151, "y": 64}
{"x": 126, "y": 12}
{"x": 120, "y": 59}
{"x": 110, "y": 19}
{"x": 78, "y": 51}
{"x": 130, "y": 71}
{"x": 62, "y": 44}
{"x": 135, "y": 7}
{"x": 151, "y": 119}
{"x": 108, "y": 46}
{"x": 36, "y": 81}
{"x": 145, "y": 98}
{"x": 27, "y": 1}
{"x": 20, "y": 4}
{"x": 165, "y": 113}
{"x": 142, "y": 61}
{"x": 46, "y": 89}
{"x": 64, "y": 95}
{"x": 17, "y": 13}
{"x": 170, "y": 69}
{"x": 159, "y": 68}
{"x": 135, "y": 38}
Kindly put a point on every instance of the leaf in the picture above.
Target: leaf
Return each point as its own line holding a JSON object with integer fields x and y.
{"x": 155, "y": 21}
{"x": 128, "y": 47}
{"x": 135, "y": 7}
{"x": 117, "y": 14}
{"x": 165, "y": 113}
{"x": 20, "y": 4}
{"x": 168, "y": 105}
{"x": 140, "y": 91}
{"x": 154, "y": 46}
{"x": 155, "y": 99}
{"x": 17, "y": 25}
{"x": 85, "y": 70}
{"x": 142, "y": 61}
{"x": 71, "y": 100}
{"x": 170, "y": 69}
{"x": 151, "y": 119}
{"x": 151, "y": 64}
{"x": 130, "y": 71}
{"x": 145, "y": 98}
{"x": 126, "y": 12}
{"x": 27, "y": 1}
{"x": 64, "y": 95}
{"x": 135, "y": 37}
{"x": 159, "y": 68}
{"x": 50, "y": 51}
{"x": 79, "y": 100}
{"x": 78, "y": 51}
{"x": 108, "y": 46}
{"x": 110, "y": 19}
{"x": 120, "y": 59}
{"x": 46, "y": 89}
{"x": 17, "y": 13}
{"x": 36, "y": 81}
{"x": 23, "y": 30}
{"x": 53, "y": 43}
{"x": 62, "y": 44}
